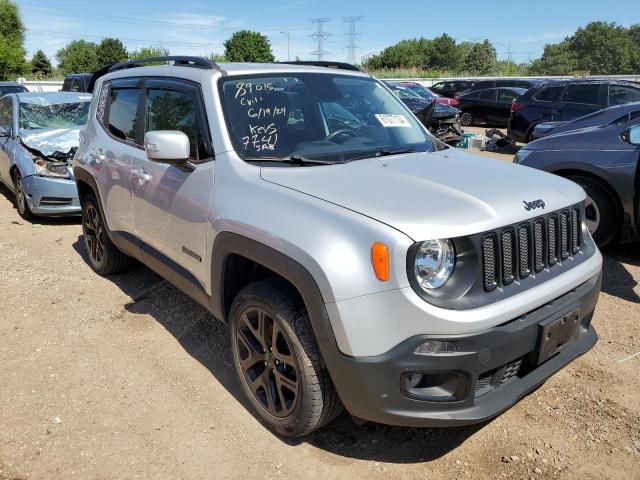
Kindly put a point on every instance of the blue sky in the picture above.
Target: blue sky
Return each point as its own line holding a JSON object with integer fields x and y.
{"x": 199, "y": 27}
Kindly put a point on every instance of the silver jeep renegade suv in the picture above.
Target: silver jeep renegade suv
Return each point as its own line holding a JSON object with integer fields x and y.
{"x": 358, "y": 261}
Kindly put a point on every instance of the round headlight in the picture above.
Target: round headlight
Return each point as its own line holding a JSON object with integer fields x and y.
{"x": 434, "y": 263}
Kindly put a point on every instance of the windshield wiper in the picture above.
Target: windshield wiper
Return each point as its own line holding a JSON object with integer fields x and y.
{"x": 385, "y": 152}
{"x": 295, "y": 159}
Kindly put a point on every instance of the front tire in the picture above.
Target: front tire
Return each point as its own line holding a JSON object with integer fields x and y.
{"x": 601, "y": 213}
{"x": 21, "y": 197}
{"x": 104, "y": 257}
{"x": 277, "y": 360}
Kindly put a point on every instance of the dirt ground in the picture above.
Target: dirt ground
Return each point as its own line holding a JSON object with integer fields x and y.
{"x": 127, "y": 378}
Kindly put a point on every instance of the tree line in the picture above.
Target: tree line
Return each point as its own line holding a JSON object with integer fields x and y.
{"x": 80, "y": 56}
{"x": 599, "y": 48}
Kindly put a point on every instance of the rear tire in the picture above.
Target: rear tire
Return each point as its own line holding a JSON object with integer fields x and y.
{"x": 466, "y": 119}
{"x": 277, "y": 360}
{"x": 602, "y": 214}
{"x": 104, "y": 257}
{"x": 21, "y": 197}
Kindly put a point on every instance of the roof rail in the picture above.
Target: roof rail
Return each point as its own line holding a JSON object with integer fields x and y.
{"x": 181, "y": 61}
{"x": 178, "y": 61}
{"x": 327, "y": 64}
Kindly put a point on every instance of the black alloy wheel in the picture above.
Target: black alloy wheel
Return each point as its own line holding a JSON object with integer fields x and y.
{"x": 93, "y": 235}
{"x": 268, "y": 366}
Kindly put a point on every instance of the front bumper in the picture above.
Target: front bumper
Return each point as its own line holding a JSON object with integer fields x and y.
{"x": 51, "y": 196}
{"x": 370, "y": 387}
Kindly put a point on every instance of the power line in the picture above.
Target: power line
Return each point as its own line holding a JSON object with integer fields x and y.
{"x": 320, "y": 35}
{"x": 351, "y": 37}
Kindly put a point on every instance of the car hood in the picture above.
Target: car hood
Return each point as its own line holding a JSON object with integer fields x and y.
{"x": 432, "y": 195}
{"x": 588, "y": 138}
{"x": 50, "y": 140}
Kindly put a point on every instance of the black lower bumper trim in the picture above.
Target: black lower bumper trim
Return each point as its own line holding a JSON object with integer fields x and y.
{"x": 370, "y": 387}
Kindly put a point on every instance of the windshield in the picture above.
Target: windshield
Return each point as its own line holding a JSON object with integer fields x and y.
{"x": 320, "y": 116}
{"x": 58, "y": 115}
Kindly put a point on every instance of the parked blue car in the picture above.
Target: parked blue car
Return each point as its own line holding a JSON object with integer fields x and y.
{"x": 601, "y": 153}
{"x": 39, "y": 134}
{"x": 601, "y": 118}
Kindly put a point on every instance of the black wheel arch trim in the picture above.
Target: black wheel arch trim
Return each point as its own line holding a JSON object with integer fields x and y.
{"x": 227, "y": 243}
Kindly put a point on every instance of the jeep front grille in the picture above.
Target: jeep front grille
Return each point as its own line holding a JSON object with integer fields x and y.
{"x": 518, "y": 251}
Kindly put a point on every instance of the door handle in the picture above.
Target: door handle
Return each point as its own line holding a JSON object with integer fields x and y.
{"x": 143, "y": 177}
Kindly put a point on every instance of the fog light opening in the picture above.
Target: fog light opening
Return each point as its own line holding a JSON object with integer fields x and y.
{"x": 436, "y": 386}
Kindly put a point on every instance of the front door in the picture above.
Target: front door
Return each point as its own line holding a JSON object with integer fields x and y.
{"x": 6, "y": 142}
{"x": 171, "y": 204}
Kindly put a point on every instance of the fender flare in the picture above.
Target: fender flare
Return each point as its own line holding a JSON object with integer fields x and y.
{"x": 227, "y": 243}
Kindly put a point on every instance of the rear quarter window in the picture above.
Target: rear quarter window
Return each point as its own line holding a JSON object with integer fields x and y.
{"x": 549, "y": 94}
{"x": 584, "y": 94}
{"x": 621, "y": 94}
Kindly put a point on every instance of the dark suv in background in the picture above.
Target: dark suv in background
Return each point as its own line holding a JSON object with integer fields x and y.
{"x": 11, "y": 87}
{"x": 501, "y": 83}
{"x": 77, "y": 82}
{"x": 450, "y": 88}
{"x": 563, "y": 100}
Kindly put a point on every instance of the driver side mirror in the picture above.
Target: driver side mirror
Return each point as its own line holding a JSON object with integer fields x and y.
{"x": 167, "y": 146}
{"x": 632, "y": 135}
{"x": 4, "y": 132}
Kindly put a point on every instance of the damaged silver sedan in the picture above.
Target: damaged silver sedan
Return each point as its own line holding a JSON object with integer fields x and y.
{"x": 39, "y": 134}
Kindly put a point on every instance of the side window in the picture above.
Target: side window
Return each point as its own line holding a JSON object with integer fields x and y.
{"x": 483, "y": 85}
{"x": 621, "y": 94}
{"x": 627, "y": 117}
{"x": 175, "y": 110}
{"x": 506, "y": 96}
{"x": 549, "y": 94}
{"x": 438, "y": 85}
{"x": 526, "y": 85}
{"x": 585, "y": 93}
{"x": 123, "y": 109}
{"x": 488, "y": 95}
{"x": 6, "y": 113}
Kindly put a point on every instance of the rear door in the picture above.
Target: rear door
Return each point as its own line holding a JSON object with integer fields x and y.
{"x": 580, "y": 99}
{"x": 503, "y": 106}
{"x": 110, "y": 152}
{"x": 486, "y": 107}
{"x": 171, "y": 204}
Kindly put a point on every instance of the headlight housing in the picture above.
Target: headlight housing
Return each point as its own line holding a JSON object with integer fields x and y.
{"x": 52, "y": 169}
{"x": 434, "y": 263}
{"x": 521, "y": 155}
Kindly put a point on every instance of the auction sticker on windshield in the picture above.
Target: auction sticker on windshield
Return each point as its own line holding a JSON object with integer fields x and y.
{"x": 389, "y": 120}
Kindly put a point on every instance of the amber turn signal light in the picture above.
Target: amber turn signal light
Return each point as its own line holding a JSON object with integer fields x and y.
{"x": 380, "y": 261}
